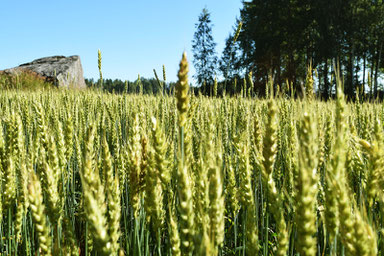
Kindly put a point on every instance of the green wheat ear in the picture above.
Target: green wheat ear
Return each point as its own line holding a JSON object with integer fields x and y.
{"x": 140, "y": 84}
{"x": 244, "y": 90}
{"x": 251, "y": 85}
{"x": 306, "y": 186}
{"x": 309, "y": 82}
{"x": 38, "y": 213}
{"x": 158, "y": 81}
{"x": 99, "y": 65}
{"x": 215, "y": 87}
{"x": 182, "y": 89}
{"x": 237, "y": 32}
{"x": 164, "y": 74}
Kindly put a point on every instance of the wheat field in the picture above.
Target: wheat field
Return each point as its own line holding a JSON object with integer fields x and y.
{"x": 91, "y": 173}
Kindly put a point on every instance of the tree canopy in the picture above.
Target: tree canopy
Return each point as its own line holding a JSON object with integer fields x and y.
{"x": 284, "y": 37}
{"x": 203, "y": 47}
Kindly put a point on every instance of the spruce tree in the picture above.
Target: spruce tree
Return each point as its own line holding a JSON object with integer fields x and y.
{"x": 204, "y": 54}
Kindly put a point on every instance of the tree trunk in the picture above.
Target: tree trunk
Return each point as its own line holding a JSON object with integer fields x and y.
{"x": 377, "y": 68}
{"x": 348, "y": 89}
{"x": 371, "y": 80}
{"x": 364, "y": 64}
{"x": 356, "y": 74}
{"x": 326, "y": 84}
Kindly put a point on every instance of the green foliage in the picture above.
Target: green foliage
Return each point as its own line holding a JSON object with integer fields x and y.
{"x": 150, "y": 85}
{"x": 286, "y": 36}
{"x": 203, "y": 48}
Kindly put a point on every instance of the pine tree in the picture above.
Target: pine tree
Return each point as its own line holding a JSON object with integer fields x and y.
{"x": 203, "y": 48}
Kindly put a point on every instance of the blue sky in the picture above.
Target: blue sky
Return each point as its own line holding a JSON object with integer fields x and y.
{"x": 133, "y": 36}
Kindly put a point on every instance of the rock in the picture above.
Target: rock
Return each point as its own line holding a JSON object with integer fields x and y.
{"x": 60, "y": 70}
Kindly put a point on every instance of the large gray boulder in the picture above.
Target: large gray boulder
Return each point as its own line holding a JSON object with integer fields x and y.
{"x": 60, "y": 70}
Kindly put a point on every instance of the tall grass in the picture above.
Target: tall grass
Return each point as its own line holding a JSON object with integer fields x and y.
{"x": 88, "y": 173}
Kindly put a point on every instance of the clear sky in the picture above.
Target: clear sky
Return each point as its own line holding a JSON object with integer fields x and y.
{"x": 133, "y": 36}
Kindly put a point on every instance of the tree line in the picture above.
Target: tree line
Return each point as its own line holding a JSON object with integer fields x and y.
{"x": 140, "y": 85}
{"x": 282, "y": 41}
{"x": 291, "y": 46}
